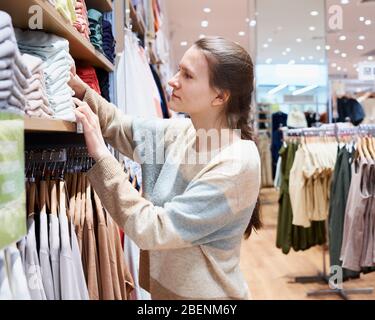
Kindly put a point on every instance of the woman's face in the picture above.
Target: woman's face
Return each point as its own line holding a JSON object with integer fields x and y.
{"x": 192, "y": 93}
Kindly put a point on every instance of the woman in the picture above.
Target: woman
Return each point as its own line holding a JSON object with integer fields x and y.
{"x": 194, "y": 213}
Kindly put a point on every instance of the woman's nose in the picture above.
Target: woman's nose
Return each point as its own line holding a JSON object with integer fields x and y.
{"x": 174, "y": 83}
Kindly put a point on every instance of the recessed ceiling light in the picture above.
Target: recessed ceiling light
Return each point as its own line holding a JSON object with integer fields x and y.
{"x": 357, "y": 69}
{"x": 328, "y": 47}
{"x": 183, "y": 43}
{"x": 312, "y": 28}
{"x": 370, "y": 58}
{"x": 303, "y": 58}
{"x": 241, "y": 33}
{"x": 299, "y": 40}
{"x": 361, "y": 38}
{"x": 252, "y": 23}
{"x": 265, "y": 45}
{"x": 269, "y": 61}
{"x": 344, "y": 1}
{"x": 338, "y": 68}
{"x": 362, "y": 19}
{"x": 360, "y": 47}
{"x": 292, "y": 62}
{"x": 355, "y": 65}
{"x": 337, "y": 51}
{"x": 269, "y": 40}
{"x": 333, "y": 65}
{"x": 318, "y": 48}
{"x": 314, "y": 13}
{"x": 344, "y": 55}
{"x": 202, "y": 36}
{"x": 247, "y": 20}
{"x": 284, "y": 53}
{"x": 311, "y": 57}
{"x": 368, "y": 22}
{"x": 345, "y": 70}
{"x": 342, "y": 38}
{"x": 207, "y": 10}
{"x": 288, "y": 50}
{"x": 204, "y": 24}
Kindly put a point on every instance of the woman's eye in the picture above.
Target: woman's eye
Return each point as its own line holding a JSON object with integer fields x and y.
{"x": 188, "y": 76}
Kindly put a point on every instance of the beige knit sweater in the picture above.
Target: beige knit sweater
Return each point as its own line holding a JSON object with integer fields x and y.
{"x": 192, "y": 217}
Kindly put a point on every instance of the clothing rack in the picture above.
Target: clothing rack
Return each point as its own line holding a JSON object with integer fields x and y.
{"x": 335, "y": 130}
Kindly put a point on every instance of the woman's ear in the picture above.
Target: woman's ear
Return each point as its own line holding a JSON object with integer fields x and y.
{"x": 221, "y": 98}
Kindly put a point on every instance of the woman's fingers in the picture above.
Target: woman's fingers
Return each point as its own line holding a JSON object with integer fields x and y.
{"x": 81, "y": 117}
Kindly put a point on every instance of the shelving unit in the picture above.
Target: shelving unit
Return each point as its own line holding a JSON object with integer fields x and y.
{"x": 53, "y": 22}
{"x": 47, "y": 125}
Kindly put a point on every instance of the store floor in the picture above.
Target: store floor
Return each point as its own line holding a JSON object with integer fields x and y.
{"x": 270, "y": 274}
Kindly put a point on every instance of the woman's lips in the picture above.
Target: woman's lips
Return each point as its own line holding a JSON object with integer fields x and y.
{"x": 174, "y": 96}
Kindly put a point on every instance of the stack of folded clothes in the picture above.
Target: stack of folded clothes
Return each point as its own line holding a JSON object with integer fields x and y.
{"x": 37, "y": 104}
{"x": 14, "y": 74}
{"x": 54, "y": 51}
{"x": 88, "y": 75}
{"x": 108, "y": 41}
{"x": 82, "y": 22}
{"x": 96, "y": 28}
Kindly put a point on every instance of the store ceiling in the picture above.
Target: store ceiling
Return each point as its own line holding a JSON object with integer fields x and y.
{"x": 279, "y": 24}
{"x": 227, "y": 18}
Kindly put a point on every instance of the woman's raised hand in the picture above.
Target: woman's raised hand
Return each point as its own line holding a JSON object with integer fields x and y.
{"x": 91, "y": 128}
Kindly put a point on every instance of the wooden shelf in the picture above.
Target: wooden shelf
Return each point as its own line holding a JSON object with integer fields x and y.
{"x": 53, "y": 22}
{"x": 100, "y": 5}
{"x": 47, "y": 125}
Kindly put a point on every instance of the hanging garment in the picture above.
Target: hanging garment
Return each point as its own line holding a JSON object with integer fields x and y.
{"x": 369, "y": 110}
{"x": 264, "y": 147}
{"x": 359, "y": 202}
{"x": 140, "y": 97}
{"x": 16, "y": 274}
{"x": 44, "y": 254}
{"x": 5, "y": 291}
{"x": 350, "y": 110}
{"x": 279, "y": 119}
{"x": 339, "y": 191}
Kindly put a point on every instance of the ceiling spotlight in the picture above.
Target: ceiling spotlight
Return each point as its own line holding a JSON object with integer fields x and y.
{"x": 314, "y": 13}
{"x": 318, "y": 48}
{"x": 241, "y": 33}
{"x": 337, "y": 51}
{"x": 311, "y": 58}
{"x": 269, "y": 40}
{"x": 299, "y": 40}
{"x": 338, "y": 68}
{"x": 265, "y": 45}
{"x": 362, "y": 19}
{"x": 360, "y": 47}
{"x": 204, "y": 24}
{"x": 252, "y": 23}
{"x": 247, "y": 20}
{"x": 303, "y": 58}
{"x": 344, "y": 55}
{"x": 355, "y": 65}
{"x": 292, "y": 62}
{"x": 312, "y": 28}
{"x": 207, "y": 10}
{"x": 202, "y": 36}
{"x": 368, "y": 22}
{"x": 370, "y": 58}
{"x": 361, "y": 38}
{"x": 269, "y": 61}
{"x": 288, "y": 50}
{"x": 344, "y": 1}
{"x": 284, "y": 53}
{"x": 328, "y": 47}
{"x": 345, "y": 70}
{"x": 333, "y": 65}
{"x": 183, "y": 43}
{"x": 342, "y": 38}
